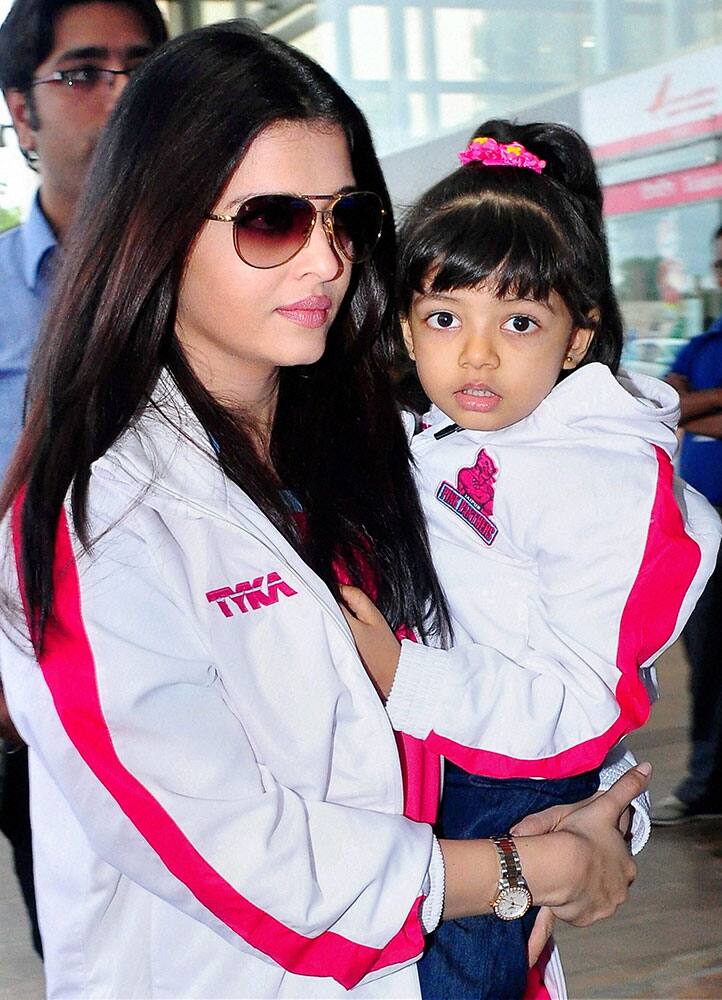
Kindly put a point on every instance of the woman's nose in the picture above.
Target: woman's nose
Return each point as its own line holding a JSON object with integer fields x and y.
{"x": 321, "y": 256}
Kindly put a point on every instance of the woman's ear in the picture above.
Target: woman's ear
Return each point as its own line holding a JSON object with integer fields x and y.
{"x": 408, "y": 337}
{"x": 580, "y": 341}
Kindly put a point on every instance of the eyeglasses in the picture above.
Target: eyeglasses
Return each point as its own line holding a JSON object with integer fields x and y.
{"x": 270, "y": 229}
{"x": 85, "y": 78}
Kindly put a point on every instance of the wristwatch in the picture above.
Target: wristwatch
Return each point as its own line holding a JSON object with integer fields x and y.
{"x": 513, "y": 897}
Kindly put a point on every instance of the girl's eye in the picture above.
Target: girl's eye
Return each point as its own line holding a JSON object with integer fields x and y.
{"x": 521, "y": 324}
{"x": 443, "y": 321}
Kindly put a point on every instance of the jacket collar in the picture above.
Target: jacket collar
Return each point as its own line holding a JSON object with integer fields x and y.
{"x": 167, "y": 451}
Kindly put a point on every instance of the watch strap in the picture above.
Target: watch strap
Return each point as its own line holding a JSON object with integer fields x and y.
{"x": 509, "y": 860}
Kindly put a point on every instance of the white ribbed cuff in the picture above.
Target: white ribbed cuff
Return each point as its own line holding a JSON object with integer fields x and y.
{"x": 433, "y": 906}
{"x": 618, "y": 762}
{"x": 418, "y": 688}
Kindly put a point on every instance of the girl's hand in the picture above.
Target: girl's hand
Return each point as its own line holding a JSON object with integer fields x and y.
{"x": 377, "y": 645}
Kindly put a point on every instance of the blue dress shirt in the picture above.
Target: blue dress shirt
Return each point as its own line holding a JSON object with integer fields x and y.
{"x": 25, "y": 279}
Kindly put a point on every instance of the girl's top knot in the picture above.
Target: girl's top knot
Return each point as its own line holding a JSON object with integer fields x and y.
{"x": 491, "y": 153}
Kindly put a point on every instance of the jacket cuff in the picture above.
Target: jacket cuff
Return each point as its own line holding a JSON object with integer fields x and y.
{"x": 418, "y": 688}
{"x": 433, "y": 905}
{"x": 641, "y": 806}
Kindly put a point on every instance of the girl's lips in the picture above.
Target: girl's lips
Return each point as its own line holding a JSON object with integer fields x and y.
{"x": 477, "y": 399}
{"x": 311, "y": 312}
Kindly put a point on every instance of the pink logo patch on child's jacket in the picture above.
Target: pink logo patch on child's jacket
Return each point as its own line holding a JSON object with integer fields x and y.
{"x": 473, "y": 497}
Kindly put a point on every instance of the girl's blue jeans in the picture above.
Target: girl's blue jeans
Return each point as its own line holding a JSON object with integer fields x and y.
{"x": 485, "y": 958}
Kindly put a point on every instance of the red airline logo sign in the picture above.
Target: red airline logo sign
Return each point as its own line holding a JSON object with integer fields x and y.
{"x": 679, "y": 100}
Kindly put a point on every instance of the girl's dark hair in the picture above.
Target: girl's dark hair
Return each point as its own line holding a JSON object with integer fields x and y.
{"x": 182, "y": 125}
{"x": 526, "y": 233}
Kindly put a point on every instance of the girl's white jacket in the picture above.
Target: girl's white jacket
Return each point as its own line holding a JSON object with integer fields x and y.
{"x": 216, "y": 789}
{"x": 571, "y": 557}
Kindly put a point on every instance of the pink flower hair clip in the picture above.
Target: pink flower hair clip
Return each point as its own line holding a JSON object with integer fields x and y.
{"x": 491, "y": 153}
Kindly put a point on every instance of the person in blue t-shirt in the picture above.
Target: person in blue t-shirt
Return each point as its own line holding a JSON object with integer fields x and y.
{"x": 697, "y": 376}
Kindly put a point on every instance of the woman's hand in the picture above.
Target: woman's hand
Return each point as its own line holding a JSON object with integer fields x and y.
{"x": 377, "y": 645}
{"x": 548, "y": 819}
{"x": 595, "y": 866}
{"x": 581, "y": 869}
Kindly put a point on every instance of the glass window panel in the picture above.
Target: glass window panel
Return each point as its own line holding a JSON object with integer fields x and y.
{"x": 455, "y": 34}
{"x": 661, "y": 266}
{"x": 216, "y": 10}
{"x": 644, "y": 39}
{"x": 418, "y": 115}
{"x": 456, "y": 110}
{"x": 370, "y": 55}
{"x": 414, "y": 38}
{"x": 320, "y": 44}
{"x": 693, "y": 155}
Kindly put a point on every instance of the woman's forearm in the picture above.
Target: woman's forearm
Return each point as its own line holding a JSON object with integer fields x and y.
{"x": 472, "y": 872}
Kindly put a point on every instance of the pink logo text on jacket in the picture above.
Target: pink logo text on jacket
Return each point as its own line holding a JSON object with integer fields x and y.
{"x": 250, "y": 595}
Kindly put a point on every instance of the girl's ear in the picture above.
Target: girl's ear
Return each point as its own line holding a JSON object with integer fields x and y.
{"x": 408, "y": 337}
{"x": 580, "y": 341}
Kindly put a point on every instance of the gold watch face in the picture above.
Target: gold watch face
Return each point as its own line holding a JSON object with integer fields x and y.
{"x": 512, "y": 902}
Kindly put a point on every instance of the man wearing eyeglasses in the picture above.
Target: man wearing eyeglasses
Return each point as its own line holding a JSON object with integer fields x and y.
{"x": 697, "y": 376}
{"x": 63, "y": 65}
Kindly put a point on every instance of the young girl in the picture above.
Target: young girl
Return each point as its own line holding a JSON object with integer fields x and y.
{"x": 569, "y": 555}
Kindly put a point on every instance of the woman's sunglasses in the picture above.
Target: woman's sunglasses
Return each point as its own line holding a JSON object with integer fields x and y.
{"x": 270, "y": 229}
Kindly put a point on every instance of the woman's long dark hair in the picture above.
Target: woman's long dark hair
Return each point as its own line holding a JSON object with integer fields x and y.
{"x": 182, "y": 126}
{"x": 527, "y": 233}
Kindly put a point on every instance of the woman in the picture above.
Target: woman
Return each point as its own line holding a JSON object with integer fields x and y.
{"x": 216, "y": 788}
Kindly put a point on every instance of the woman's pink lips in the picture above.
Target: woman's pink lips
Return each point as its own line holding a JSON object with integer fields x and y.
{"x": 311, "y": 312}
{"x": 474, "y": 403}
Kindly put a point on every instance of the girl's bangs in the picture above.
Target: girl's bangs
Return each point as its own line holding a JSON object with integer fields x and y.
{"x": 509, "y": 246}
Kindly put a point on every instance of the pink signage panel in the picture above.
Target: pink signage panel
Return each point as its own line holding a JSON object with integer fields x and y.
{"x": 696, "y": 184}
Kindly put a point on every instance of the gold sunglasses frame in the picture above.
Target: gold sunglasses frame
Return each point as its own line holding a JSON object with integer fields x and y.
{"x": 326, "y": 221}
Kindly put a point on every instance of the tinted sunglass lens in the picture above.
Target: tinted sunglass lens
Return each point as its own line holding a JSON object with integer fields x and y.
{"x": 270, "y": 229}
{"x": 357, "y": 222}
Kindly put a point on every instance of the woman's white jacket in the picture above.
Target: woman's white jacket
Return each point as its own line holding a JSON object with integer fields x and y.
{"x": 216, "y": 789}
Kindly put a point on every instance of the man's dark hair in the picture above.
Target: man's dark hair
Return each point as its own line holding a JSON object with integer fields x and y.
{"x": 718, "y": 234}
{"x": 26, "y": 35}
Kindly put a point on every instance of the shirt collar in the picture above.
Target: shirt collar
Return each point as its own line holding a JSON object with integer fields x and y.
{"x": 37, "y": 239}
